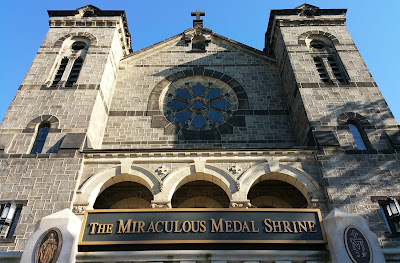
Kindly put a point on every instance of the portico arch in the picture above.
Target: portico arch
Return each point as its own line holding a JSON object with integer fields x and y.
{"x": 294, "y": 176}
{"x": 191, "y": 173}
{"x": 270, "y": 201}
{"x": 97, "y": 183}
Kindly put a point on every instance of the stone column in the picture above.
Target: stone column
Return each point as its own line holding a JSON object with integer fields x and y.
{"x": 68, "y": 224}
{"x": 336, "y": 223}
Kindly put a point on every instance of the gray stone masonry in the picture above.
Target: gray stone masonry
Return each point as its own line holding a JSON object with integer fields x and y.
{"x": 130, "y": 126}
{"x": 46, "y": 183}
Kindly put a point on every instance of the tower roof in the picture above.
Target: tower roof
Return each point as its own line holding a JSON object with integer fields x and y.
{"x": 93, "y": 11}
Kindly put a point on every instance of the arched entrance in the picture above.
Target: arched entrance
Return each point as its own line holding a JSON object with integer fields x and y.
{"x": 200, "y": 194}
{"x": 276, "y": 194}
{"x": 124, "y": 195}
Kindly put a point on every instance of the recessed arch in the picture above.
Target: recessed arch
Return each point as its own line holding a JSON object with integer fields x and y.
{"x": 288, "y": 195}
{"x": 97, "y": 183}
{"x": 188, "y": 174}
{"x": 302, "y": 38}
{"x": 91, "y": 37}
{"x": 294, "y": 176}
{"x": 200, "y": 201}
{"x": 124, "y": 195}
{"x": 270, "y": 201}
{"x": 344, "y": 118}
{"x": 51, "y": 119}
{"x": 131, "y": 203}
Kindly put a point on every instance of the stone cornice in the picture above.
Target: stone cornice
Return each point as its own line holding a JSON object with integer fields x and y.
{"x": 238, "y": 155}
{"x": 296, "y": 17}
{"x": 91, "y": 16}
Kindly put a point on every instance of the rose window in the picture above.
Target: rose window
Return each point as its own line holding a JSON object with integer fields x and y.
{"x": 199, "y": 103}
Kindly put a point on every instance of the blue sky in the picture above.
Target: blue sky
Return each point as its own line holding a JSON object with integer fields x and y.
{"x": 374, "y": 26}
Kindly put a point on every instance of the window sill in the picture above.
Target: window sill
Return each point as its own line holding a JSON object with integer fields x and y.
{"x": 7, "y": 240}
{"x": 389, "y": 235}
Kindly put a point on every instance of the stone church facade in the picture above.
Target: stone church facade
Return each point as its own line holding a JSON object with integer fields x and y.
{"x": 199, "y": 121}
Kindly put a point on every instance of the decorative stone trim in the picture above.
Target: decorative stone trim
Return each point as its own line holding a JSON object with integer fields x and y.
{"x": 79, "y": 209}
{"x": 241, "y": 204}
{"x": 304, "y": 36}
{"x": 235, "y": 169}
{"x": 91, "y": 37}
{"x": 304, "y": 21}
{"x": 158, "y": 205}
{"x": 53, "y": 120}
{"x": 175, "y": 154}
{"x": 344, "y": 117}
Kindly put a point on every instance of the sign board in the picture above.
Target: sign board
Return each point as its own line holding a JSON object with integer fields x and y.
{"x": 207, "y": 226}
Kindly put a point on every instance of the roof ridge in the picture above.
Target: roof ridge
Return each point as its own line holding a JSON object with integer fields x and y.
{"x": 234, "y": 42}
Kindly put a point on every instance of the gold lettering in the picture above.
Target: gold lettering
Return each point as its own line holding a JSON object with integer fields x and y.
{"x": 134, "y": 226}
{"x": 302, "y": 226}
{"x": 193, "y": 227}
{"x": 252, "y": 228}
{"x": 268, "y": 227}
{"x": 158, "y": 222}
{"x": 124, "y": 228}
{"x": 203, "y": 226}
{"x": 286, "y": 227}
{"x": 215, "y": 227}
{"x": 176, "y": 227}
{"x": 277, "y": 225}
{"x": 93, "y": 227}
{"x": 228, "y": 226}
{"x": 311, "y": 226}
{"x": 186, "y": 226}
{"x": 151, "y": 227}
{"x": 245, "y": 227}
{"x": 294, "y": 227}
{"x": 166, "y": 226}
{"x": 109, "y": 229}
{"x": 237, "y": 226}
{"x": 101, "y": 229}
{"x": 141, "y": 227}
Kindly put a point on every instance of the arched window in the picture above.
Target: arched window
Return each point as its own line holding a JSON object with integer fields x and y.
{"x": 60, "y": 72}
{"x": 359, "y": 136}
{"x": 323, "y": 74}
{"x": 74, "y": 74}
{"x": 337, "y": 71}
{"x": 327, "y": 61}
{"x": 198, "y": 43}
{"x": 43, "y": 131}
{"x": 73, "y": 53}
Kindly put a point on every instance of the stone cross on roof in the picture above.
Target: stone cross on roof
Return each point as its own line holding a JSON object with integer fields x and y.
{"x": 197, "y": 14}
{"x": 198, "y": 22}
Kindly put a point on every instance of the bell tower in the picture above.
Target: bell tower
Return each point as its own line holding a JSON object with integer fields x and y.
{"x": 328, "y": 86}
{"x": 70, "y": 82}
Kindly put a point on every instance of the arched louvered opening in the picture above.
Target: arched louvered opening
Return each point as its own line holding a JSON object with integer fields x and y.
{"x": 74, "y": 74}
{"x": 60, "y": 72}
{"x": 337, "y": 71}
{"x": 323, "y": 74}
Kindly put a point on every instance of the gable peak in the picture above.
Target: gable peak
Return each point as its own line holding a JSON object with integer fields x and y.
{"x": 307, "y": 10}
{"x": 88, "y": 10}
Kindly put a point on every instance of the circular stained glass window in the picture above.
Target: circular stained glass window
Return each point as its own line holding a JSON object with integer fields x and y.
{"x": 199, "y": 103}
